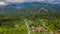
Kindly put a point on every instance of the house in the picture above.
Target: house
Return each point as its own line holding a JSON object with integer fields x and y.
{"x": 32, "y": 29}
{"x": 17, "y": 24}
{"x": 41, "y": 20}
{"x": 30, "y": 21}
{"x": 39, "y": 28}
{"x": 58, "y": 31}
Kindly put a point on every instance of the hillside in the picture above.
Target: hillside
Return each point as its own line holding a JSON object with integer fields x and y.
{"x": 28, "y": 6}
{"x": 30, "y": 18}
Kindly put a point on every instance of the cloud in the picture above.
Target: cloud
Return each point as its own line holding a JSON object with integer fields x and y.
{"x": 27, "y": 0}
{"x": 50, "y": 0}
{"x": 2, "y": 3}
{"x": 15, "y": 0}
{"x": 37, "y": 0}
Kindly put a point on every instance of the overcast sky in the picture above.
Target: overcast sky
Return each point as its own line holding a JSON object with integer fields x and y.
{"x": 25, "y": 0}
{"x": 3, "y": 2}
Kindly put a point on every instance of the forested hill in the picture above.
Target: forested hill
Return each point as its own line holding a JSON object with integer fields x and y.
{"x": 29, "y": 6}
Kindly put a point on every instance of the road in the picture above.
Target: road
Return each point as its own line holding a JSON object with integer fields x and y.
{"x": 27, "y": 25}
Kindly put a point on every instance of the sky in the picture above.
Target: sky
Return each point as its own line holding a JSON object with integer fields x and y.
{"x": 3, "y": 2}
{"x": 26, "y": 0}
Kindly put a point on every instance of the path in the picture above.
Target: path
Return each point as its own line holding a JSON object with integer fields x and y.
{"x": 27, "y": 25}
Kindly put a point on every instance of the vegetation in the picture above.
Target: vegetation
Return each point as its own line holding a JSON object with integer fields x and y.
{"x": 13, "y": 23}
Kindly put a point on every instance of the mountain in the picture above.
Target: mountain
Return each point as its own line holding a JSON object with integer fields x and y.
{"x": 28, "y": 4}
{"x": 25, "y": 6}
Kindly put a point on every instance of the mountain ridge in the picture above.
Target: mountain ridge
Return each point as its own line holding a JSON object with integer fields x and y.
{"x": 13, "y": 7}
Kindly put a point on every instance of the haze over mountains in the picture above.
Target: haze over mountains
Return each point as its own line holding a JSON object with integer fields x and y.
{"x": 28, "y": 0}
{"x": 20, "y": 5}
{"x": 5, "y": 2}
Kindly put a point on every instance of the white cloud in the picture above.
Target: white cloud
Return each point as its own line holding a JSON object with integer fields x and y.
{"x": 50, "y": 0}
{"x": 2, "y": 3}
{"x": 15, "y": 0}
{"x": 27, "y": 0}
